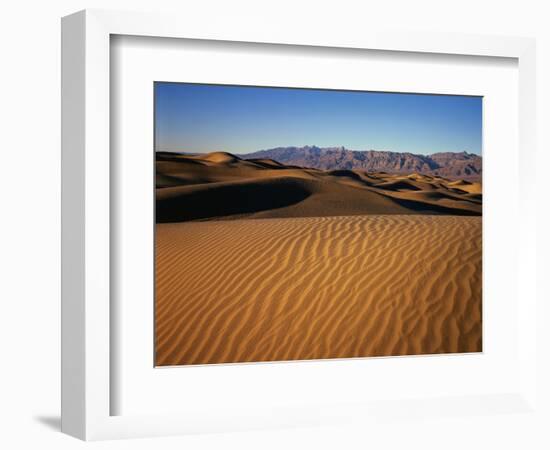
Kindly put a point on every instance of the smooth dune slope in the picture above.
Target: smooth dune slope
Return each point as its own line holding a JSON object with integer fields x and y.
{"x": 317, "y": 287}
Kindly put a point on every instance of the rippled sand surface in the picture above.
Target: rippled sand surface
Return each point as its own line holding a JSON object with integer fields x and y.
{"x": 317, "y": 287}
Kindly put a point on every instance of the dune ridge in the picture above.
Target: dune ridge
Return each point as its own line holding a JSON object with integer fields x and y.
{"x": 275, "y": 289}
{"x": 221, "y": 185}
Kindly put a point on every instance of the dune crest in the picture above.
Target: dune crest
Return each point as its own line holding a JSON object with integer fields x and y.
{"x": 220, "y": 157}
{"x": 219, "y": 184}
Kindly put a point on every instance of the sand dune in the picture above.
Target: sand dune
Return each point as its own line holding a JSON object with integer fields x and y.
{"x": 466, "y": 186}
{"x": 315, "y": 288}
{"x": 261, "y": 261}
{"x": 221, "y": 185}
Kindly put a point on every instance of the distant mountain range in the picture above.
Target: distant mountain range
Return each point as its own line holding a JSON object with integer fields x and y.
{"x": 451, "y": 165}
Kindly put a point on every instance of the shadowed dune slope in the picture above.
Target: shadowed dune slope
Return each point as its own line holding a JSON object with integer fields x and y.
{"x": 221, "y": 199}
{"x": 221, "y": 185}
{"x": 316, "y": 288}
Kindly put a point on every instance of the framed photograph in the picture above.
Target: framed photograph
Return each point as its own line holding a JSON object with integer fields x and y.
{"x": 313, "y": 253}
{"x": 266, "y": 228}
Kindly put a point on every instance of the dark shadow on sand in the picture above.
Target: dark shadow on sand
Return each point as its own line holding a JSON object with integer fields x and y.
{"x": 186, "y": 203}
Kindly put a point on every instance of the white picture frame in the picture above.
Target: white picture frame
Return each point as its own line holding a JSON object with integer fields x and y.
{"x": 86, "y": 246}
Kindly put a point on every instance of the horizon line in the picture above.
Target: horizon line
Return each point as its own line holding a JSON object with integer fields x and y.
{"x": 321, "y": 148}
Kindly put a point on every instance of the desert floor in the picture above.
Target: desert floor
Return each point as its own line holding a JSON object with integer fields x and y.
{"x": 295, "y": 288}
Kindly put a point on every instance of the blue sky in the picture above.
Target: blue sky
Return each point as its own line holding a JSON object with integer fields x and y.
{"x": 240, "y": 119}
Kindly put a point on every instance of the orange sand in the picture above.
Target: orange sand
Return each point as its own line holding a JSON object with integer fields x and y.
{"x": 317, "y": 287}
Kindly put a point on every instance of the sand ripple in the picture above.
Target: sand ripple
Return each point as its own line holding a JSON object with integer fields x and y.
{"x": 315, "y": 288}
